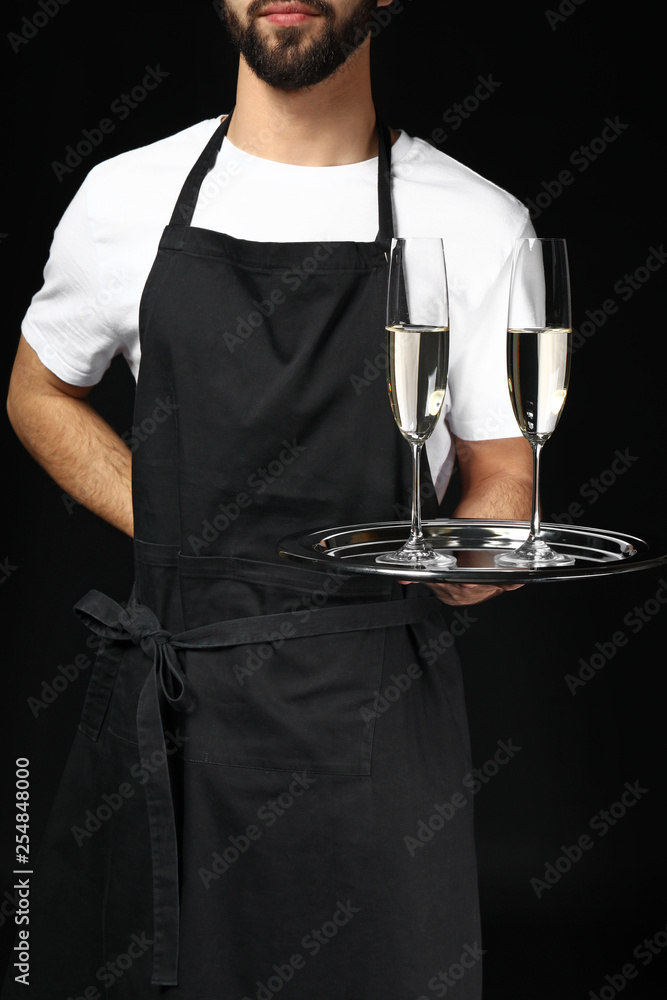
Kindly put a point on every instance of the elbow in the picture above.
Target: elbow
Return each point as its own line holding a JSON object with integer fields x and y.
{"x": 11, "y": 405}
{"x": 18, "y": 406}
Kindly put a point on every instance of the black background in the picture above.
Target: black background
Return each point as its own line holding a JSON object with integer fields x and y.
{"x": 557, "y": 78}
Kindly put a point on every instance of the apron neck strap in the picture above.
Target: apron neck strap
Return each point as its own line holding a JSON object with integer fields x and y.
{"x": 187, "y": 199}
{"x": 185, "y": 206}
{"x": 386, "y": 215}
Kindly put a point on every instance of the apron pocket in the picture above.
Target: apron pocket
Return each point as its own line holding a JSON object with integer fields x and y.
{"x": 299, "y": 705}
{"x": 100, "y": 687}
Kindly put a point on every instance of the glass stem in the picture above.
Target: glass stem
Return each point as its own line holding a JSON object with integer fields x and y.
{"x": 416, "y": 529}
{"x": 535, "y": 514}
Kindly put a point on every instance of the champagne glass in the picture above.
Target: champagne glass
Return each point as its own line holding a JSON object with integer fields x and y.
{"x": 418, "y": 357}
{"x": 539, "y": 342}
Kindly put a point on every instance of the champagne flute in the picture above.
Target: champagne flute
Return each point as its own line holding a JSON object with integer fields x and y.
{"x": 418, "y": 356}
{"x": 539, "y": 343}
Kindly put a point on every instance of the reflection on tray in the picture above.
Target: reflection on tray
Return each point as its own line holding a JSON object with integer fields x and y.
{"x": 474, "y": 543}
{"x": 467, "y": 558}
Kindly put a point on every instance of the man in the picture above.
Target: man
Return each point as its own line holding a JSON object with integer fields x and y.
{"x": 237, "y": 818}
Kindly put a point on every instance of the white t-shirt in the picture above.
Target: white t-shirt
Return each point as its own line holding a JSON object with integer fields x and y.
{"x": 105, "y": 244}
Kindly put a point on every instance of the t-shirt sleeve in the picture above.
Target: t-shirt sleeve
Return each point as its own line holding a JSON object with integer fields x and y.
{"x": 480, "y": 403}
{"x": 67, "y": 322}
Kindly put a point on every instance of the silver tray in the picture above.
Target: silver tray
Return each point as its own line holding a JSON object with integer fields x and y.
{"x": 598, "y": 552}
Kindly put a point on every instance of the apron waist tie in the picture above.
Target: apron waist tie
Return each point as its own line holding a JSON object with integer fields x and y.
{"x": 167, "y": 681}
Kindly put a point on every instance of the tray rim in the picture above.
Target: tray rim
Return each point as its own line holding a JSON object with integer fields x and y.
{"x": 299, "y": 548}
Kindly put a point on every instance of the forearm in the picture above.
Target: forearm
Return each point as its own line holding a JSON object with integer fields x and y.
{"x": 499, "y": 498}
{"x": 496, "y": 479}
{"x": 79, "y": 450}
{"x": 496, "y": 485}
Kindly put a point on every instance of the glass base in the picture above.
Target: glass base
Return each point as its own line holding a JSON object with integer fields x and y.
{"x": 418, "y": 557}
{"x": 533, "y": 554}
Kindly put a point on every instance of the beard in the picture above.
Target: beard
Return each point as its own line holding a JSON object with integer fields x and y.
{"x": 290, "y": 61}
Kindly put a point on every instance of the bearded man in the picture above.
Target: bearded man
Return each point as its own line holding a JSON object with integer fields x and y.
{"x": 266, "y": 791}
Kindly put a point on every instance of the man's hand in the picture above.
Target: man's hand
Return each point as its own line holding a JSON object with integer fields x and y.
{"x": 469, "y": 593}
{"x": 496, "y": 485}
{"x": 70, "y": 440}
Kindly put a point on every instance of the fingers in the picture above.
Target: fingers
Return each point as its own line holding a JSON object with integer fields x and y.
{"x": 461, "y": 594}
{"x": 455, "y": 594}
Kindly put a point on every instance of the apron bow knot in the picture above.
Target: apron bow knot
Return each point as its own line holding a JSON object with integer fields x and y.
{"x": 176, "y": 688}
{"x": 138, "y": 623}
{"x": 158, "y": 636}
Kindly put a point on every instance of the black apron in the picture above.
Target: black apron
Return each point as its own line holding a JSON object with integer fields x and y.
{"x": 251, "y": 804}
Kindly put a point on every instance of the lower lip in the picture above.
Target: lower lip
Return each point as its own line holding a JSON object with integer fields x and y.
{"x": 289, "y": 19}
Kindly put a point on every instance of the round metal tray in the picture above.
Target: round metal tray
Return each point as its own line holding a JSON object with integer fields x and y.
{"x": 597, "y": 551}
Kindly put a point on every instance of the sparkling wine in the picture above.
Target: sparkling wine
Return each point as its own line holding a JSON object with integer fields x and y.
{"x": 538, "y": 372}
{"x": 417, "y": 377}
